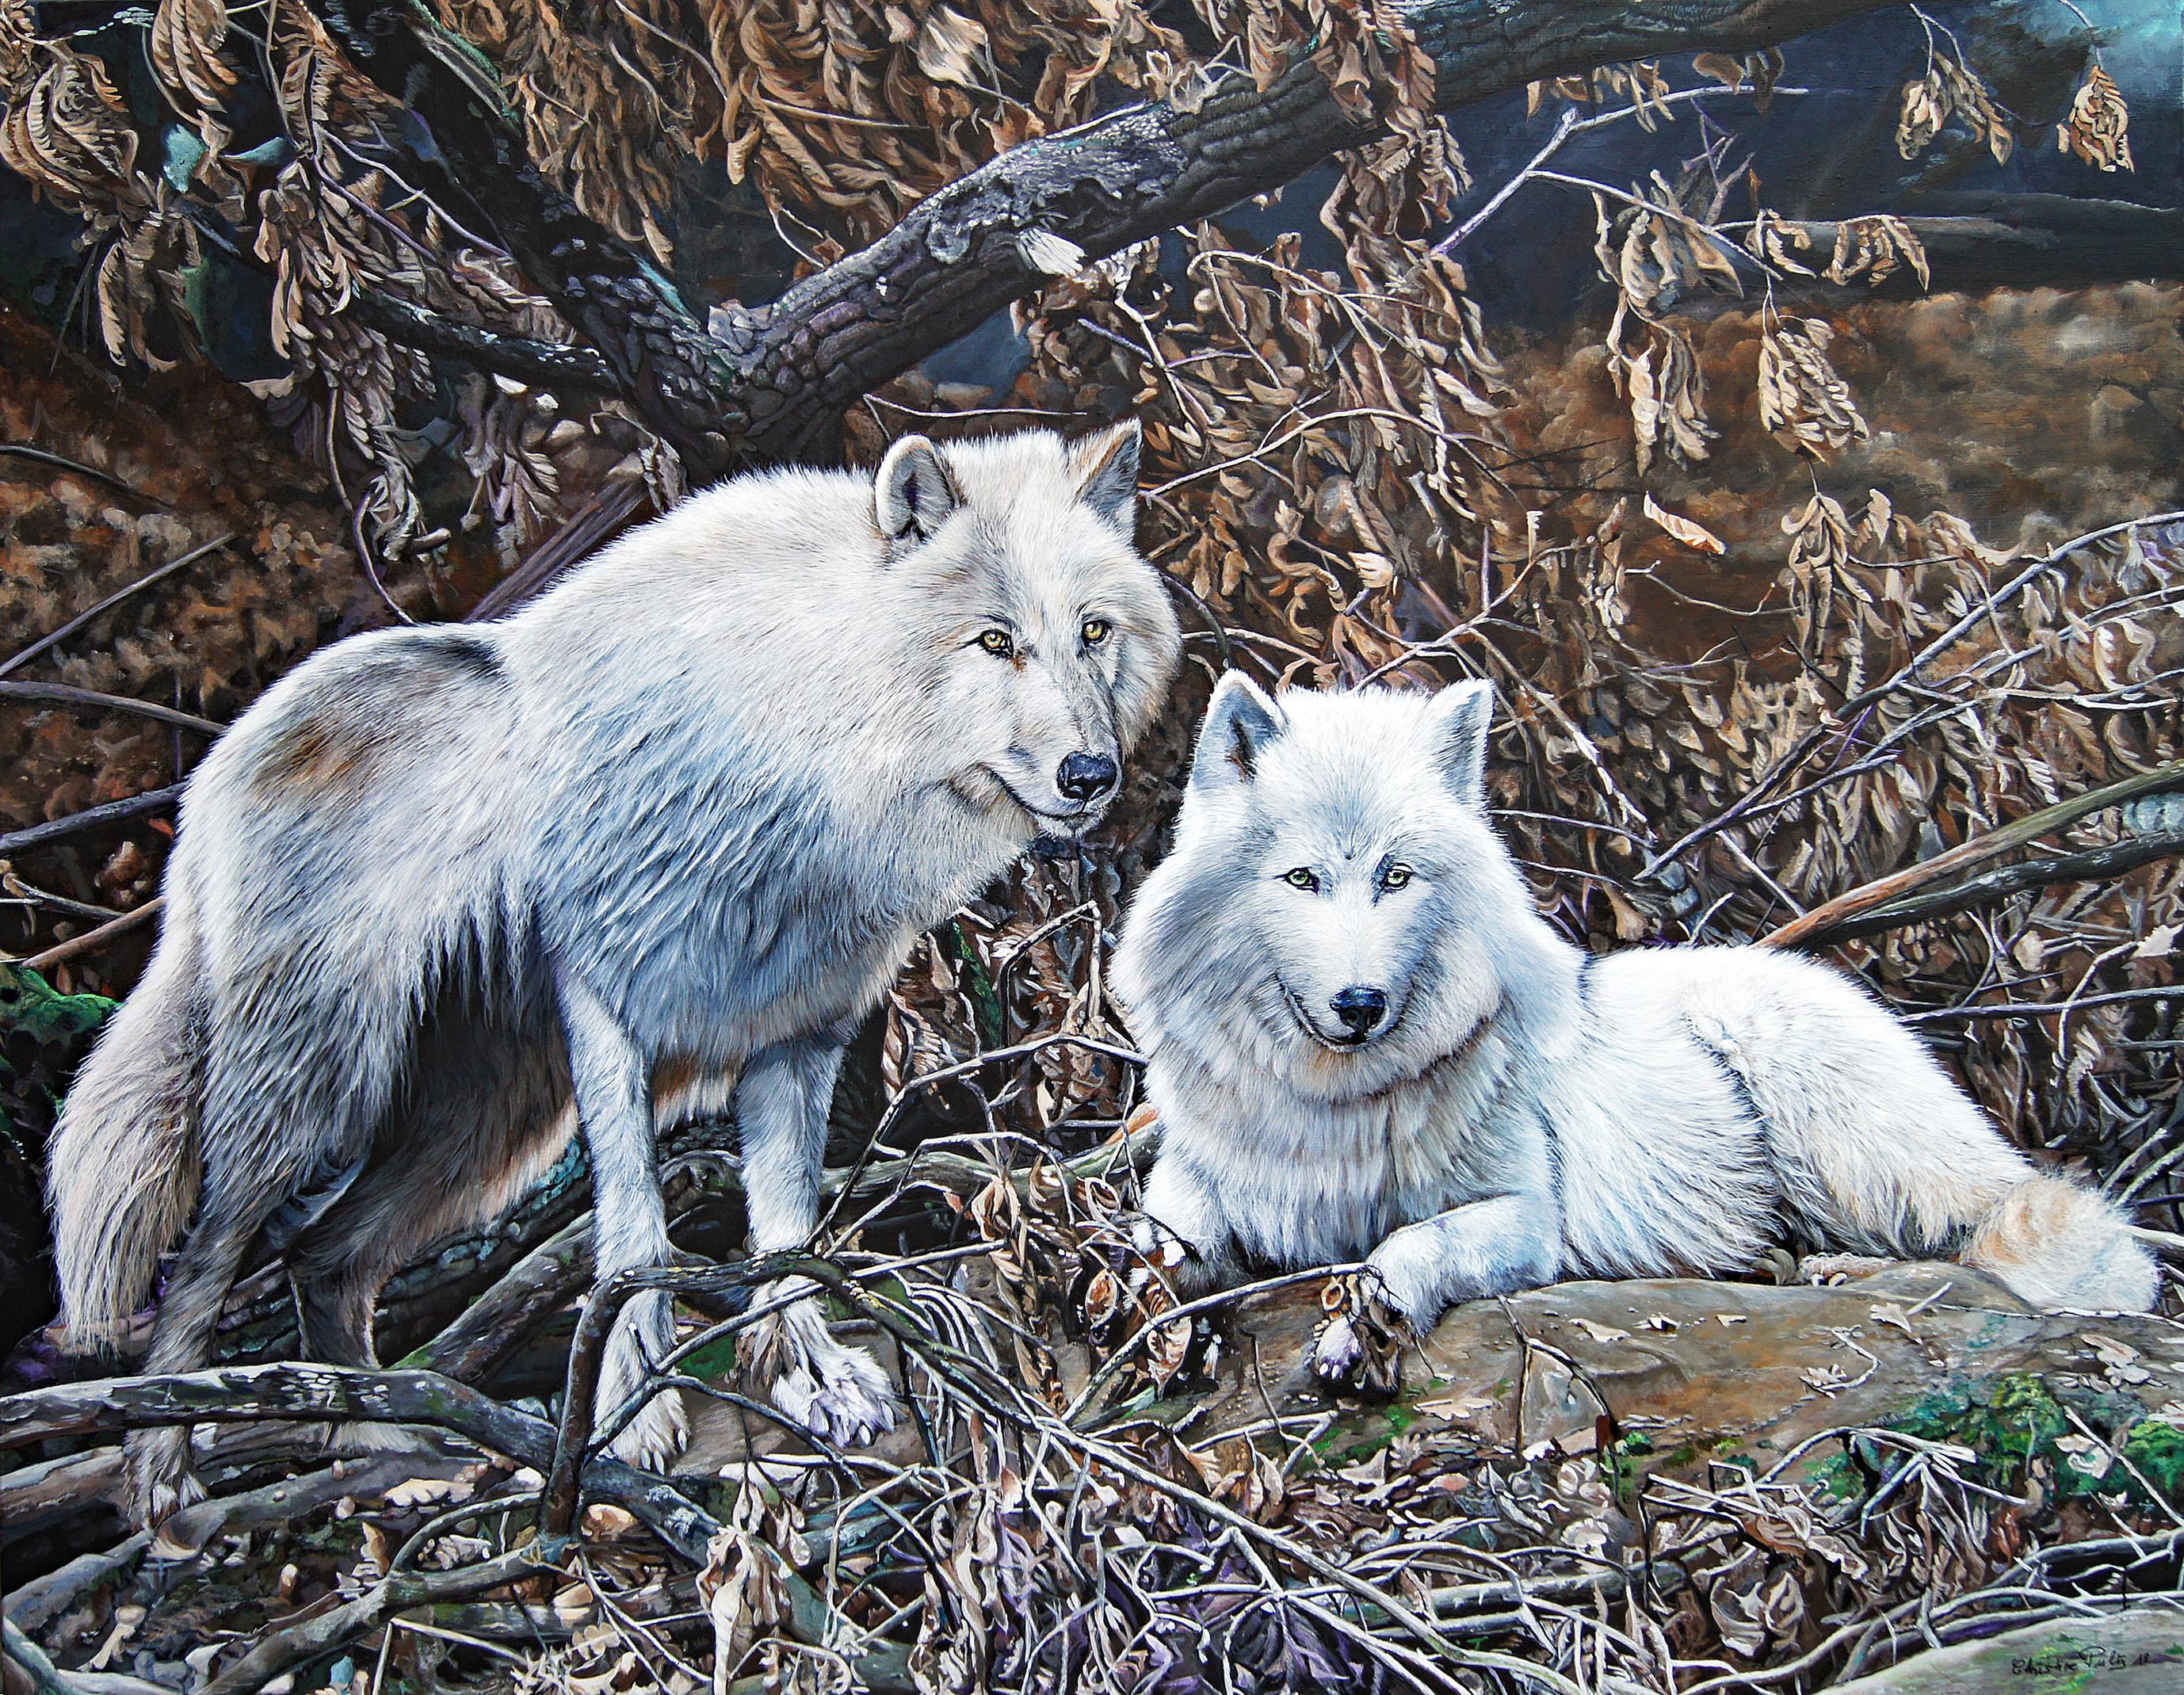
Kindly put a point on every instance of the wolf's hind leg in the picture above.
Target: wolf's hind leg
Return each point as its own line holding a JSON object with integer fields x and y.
{"x": 229, "y": 1219}
{"x": 838, "y": 1392}
{"x": 336, "y": 1270}
{"x": 490, "y": 1119}
{"x": 334, "y": 1312}
{"x": 1876, "y": 1148}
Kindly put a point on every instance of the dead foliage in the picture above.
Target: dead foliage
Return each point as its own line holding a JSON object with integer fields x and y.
{"x": 1764, "y": 625}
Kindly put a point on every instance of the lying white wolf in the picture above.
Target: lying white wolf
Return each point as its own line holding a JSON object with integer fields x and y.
{"x": 1366, "y": 1043}
{"x": 660, "y": 838}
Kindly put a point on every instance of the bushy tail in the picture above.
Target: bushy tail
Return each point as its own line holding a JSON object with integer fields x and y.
{"x": 122, "y": 1170}
{"x": 2059, "y": 1246}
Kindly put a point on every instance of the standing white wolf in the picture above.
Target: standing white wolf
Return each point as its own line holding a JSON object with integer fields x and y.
{"x": 661, "y": 837}
{"x": 1366, "y": 1043}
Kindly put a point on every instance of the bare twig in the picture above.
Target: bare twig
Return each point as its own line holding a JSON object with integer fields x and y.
{"x": 66, "y": 694}
{"x": 284, "y": 1648}
{"x": 90, "y": 818}
{"x": 96, "y": 938}
{"x": 24, "y": 655}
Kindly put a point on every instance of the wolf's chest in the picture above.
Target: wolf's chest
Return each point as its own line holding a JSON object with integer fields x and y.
{"x": 1331, "y": 1182}
{"x": 742, "y": 909}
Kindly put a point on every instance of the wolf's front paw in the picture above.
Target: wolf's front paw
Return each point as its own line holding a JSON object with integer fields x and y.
{"x": 1359, "y": 1347}
{"x": 1337, "y": 1352}
{"x": 839, "y": 1394}
{"x": 645, "y": 1332}
{"x": 1828, "y": 1267}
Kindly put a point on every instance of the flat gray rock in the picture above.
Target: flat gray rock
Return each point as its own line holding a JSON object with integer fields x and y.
{"x": 2137, "y": 1652}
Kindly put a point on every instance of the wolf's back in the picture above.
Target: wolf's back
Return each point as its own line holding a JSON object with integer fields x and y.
{"x": 122, "y": 1173}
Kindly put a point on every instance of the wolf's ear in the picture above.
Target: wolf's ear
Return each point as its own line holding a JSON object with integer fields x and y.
{"x": 1107, "y": 470}
{"x": 1240, "y": 719}
{"x": 912, "y": 493}
{"x": 1461, "y": 715}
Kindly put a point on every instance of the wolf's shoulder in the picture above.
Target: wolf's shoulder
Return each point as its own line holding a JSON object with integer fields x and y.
{"x": 743, "y": 550}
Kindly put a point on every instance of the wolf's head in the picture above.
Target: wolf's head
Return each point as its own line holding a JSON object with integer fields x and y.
{"x": 1046, "y": 640}
{"x": 1337, "y": 910}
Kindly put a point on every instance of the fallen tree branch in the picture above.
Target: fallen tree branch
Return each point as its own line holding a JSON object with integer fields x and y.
{"x": 2094, "y": 865}
{"x": 48, "y": 1679}
{"x": 34, "y": 1605}
{"x": 1830, "y": 915}
{"x": 527, "y": 1294}
{"x": 254, "y": 1393}
{"x": 248, "y": 1393}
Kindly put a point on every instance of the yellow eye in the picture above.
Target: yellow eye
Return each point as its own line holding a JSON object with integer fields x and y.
{"x": 1302, "y": 877}
{"x": 997, "y": 642}
{"x": 1097, "y": 631}
{"x": 1396, "y": 877}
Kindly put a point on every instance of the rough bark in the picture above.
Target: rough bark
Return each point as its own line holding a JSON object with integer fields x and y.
{"x": 772, "y": 385}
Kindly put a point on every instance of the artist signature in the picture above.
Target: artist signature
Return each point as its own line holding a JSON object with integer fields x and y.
{"x": 2064, "y": 1660}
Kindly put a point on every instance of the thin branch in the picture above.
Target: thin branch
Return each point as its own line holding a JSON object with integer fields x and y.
{"x": 62, "y": 462}
{"x": 25, "y": 655}
{"x": 2095, "y": 865}
{"x": 67, "y": 695}
{"x": 90, "y": 818}
{"x": 2043, "y": 1009}
{"x": 97, "y": 937}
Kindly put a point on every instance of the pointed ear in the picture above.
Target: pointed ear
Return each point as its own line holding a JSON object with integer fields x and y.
{"x": 1106, "y": 469}
{"x": 1459, "y": 716}
{"x": 912, "y": 493}
{"x": 1239, "y": 722}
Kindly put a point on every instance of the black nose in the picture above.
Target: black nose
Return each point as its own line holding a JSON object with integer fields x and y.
{"x": 1085, "y": 777}
{"x": 1360, "y": 1008}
